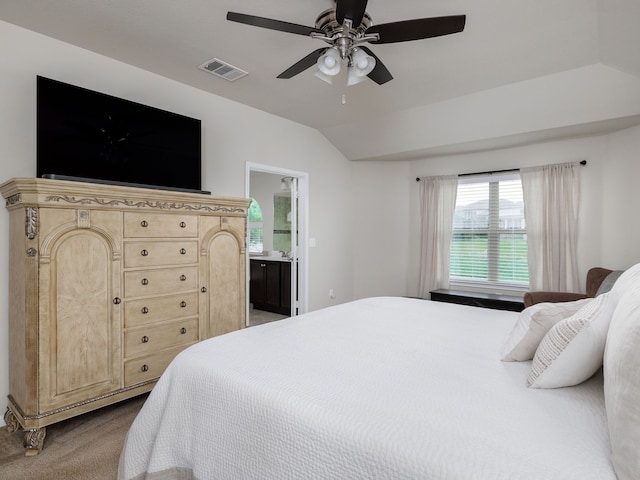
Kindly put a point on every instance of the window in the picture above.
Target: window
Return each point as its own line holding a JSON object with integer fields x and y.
{"x": 255, "y": 227}
{"x": 489, "y": 242}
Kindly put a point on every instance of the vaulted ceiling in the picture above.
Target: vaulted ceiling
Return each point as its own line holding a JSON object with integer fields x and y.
{"x": 508, "y": 49}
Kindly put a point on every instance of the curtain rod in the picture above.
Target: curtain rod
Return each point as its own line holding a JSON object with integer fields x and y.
{"x": 582, "y": 162}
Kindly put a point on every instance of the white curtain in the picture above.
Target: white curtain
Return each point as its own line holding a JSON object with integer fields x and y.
{"x": 437, "y": 205}
{"x": 551, "y": 197}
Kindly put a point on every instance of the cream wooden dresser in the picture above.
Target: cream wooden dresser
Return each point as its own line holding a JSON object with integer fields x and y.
{"x": 107, "y": 284}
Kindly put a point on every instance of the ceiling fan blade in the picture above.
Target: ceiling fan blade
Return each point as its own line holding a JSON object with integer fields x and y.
{"x": 299, "y": 67}
{"x": 271, "y": 24}
{"x": 351, "y": 9}
{"x": 417, "y": 29}
{"x": 379, "y": 74}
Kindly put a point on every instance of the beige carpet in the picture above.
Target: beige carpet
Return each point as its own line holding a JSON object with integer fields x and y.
{"x": 84, "y": 447}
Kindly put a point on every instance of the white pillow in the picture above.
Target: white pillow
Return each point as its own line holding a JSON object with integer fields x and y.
{"x": 573, "y": 349}
{"x": 533, "y": 324}
{"x": 628, "y": 279}
{"x": 622, "y": 385}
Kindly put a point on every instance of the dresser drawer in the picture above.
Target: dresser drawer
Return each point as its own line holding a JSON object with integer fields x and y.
{"x": 145, "y": 224}
{"x": 139, "y": 370}
{"x": 140, "y": 283}
{"x": 156, "y": 309}
{"x": 156, "y": 337}
{"x": 151, "y": 253}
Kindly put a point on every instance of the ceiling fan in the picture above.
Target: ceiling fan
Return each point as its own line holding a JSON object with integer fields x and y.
{"x": 345, "y": 28}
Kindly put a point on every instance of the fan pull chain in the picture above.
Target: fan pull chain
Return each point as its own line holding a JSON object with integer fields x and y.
{"x": 344, "y": 99}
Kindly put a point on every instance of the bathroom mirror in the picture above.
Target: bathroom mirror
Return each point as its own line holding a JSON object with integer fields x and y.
{"x": 282, "y": 222}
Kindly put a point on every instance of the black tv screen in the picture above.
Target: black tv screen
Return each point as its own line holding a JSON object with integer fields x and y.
{"x": 90, "y": 136}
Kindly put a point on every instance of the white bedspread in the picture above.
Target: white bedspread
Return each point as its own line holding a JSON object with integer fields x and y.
{"x": 381, "y": 388}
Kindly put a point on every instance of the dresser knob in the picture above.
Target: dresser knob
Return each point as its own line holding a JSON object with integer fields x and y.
{"x": 144, "y": 224}
{"x": 145, "y": 368}
{"x": 183, "y": 304}
{"x": 144, "y": 310}
{"x": 117, "y": 301}
{"x": 203, "y": 289}
{"x": 183, "y": 225}
{"x": 183, "y": 251}
{"x": 144, "y": 253}
{"x": 183, "y": 278}
{"x": 183, "y": 330}
{"x": 145, "y": 339}
{"x": 144, "y": 281}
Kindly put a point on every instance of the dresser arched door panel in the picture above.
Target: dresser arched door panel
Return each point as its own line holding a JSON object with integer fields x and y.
{"x": 223, "y": 268}
{"x": 80, "y": 346}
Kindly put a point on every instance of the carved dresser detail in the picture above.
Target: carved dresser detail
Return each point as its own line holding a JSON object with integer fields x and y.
{"x": 107, "y": 285}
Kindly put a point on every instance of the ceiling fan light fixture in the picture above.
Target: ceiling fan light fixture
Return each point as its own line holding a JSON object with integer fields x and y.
{"x": 362, "y": 63}
{"x": 329, "y": 62}
{"x": 354, "y": 77}
{"x": 325, "y": 78}
{"x": 360, "y": 66}
{"x": 346, "y": 25}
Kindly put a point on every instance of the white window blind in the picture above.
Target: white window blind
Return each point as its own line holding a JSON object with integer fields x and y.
{"x": 489, "y": 242}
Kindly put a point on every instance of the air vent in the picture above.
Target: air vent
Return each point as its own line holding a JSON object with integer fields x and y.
{"x": 222, "y": 69}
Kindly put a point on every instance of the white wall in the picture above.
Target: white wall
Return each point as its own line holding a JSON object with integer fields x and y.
{"x": 232, "y": 135}
{"x": 385, "y": 200}
{"x": 620, "y": 228}
{"x": 381, "y": 199}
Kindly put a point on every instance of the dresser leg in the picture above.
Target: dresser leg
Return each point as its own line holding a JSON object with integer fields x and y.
{"x": 11, "y": 421}
{"x": 34, "y": 440}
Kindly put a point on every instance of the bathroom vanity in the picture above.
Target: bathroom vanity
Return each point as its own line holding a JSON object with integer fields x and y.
{"x": 270, "y": 284}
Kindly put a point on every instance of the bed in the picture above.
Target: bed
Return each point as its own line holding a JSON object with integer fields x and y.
{"x": 380, "y": 388}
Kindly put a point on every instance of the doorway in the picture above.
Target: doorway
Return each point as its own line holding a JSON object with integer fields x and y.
{"x": 277, "y": 233}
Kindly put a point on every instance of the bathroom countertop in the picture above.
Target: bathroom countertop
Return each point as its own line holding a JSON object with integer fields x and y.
{"x": 269, "y": 258}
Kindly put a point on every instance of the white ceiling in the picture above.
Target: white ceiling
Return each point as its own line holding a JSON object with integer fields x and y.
{"x": 504, "y": 42}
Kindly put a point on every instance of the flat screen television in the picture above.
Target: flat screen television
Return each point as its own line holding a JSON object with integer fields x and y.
{"x": 90, "y": 136}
